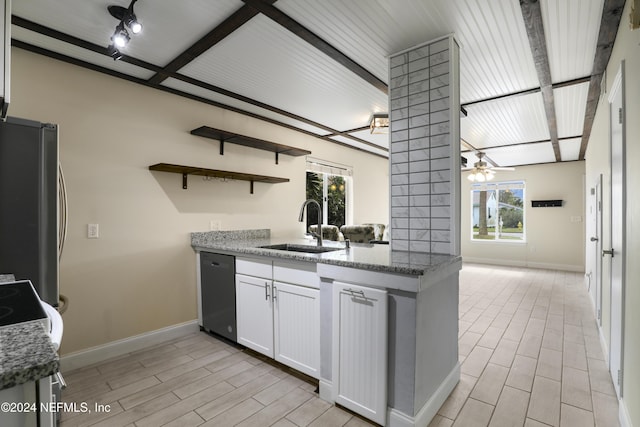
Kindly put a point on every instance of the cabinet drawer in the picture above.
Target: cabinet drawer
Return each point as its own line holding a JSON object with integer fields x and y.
{"x": 254, "y": 267}
{"x": 296, "y": 272}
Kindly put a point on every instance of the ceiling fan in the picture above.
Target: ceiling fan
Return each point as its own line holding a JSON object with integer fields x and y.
{"x": 481, "y": 171}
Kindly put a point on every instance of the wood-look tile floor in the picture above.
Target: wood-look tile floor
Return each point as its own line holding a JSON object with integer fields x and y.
{"x": 529, "y": 351}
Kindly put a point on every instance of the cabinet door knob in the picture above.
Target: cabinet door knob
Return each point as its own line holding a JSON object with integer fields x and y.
{"x": 608, "y": 252}
{"x": 594, "y": 239}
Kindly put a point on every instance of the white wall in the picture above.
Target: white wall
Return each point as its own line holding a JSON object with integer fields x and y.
{"x": 627, "y": 48}
{"x": 139, "y": 275}
{"x": 552, "y": 239}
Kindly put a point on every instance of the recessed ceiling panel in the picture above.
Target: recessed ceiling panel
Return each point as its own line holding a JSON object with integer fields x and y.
{"x": 268, "y": 63}
{"x": 570, "y": 102}
{"x": 365, "y": 147}
{"x": 504, "y": 121}
{"x": 378, "y": 139}
{"x": 494, "y": 56}
{"x": 526, "y": 154}
{"x": 232, "y": 102}
{"x": 169, "y": 27}
{"x": 571, "y": 31}
{"x": 76, "y": 52}
{"x": 570, "y": 149}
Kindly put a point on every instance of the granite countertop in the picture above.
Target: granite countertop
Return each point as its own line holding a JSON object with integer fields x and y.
{"x": 26, "y": 351}
{"x": 372, "y": 257}
{"x": 26, "y": 354}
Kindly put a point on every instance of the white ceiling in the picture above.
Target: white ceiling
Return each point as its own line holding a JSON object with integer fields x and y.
{"x": 267, "y": 70}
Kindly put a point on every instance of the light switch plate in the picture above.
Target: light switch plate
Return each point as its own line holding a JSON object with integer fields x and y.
{"x": 93, "y": 231}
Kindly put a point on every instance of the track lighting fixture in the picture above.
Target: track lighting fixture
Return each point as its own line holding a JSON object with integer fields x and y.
{"x": 128, "y": 20}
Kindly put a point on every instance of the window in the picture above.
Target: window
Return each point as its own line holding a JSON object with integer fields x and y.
{"x": 329, "y": 184}
{"x": 497, "y": 211}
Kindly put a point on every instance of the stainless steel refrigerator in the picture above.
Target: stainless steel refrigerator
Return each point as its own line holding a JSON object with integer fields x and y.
{"x": 29, "y": 204}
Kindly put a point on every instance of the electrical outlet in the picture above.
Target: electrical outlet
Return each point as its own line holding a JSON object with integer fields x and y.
{"x": 214, "y": 225}
{"x": 93, "y": 231}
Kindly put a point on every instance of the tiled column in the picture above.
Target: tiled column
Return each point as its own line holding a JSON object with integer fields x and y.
{"x": 425, "y": 148}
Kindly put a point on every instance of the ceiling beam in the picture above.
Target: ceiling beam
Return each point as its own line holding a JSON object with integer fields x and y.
{"x": 54, "y": 34}
{"x": 298, "y": 29}
{"x": 49, "y": 32}
{"x": 228, "y": 26}
{"x": 530, "y": 91}
{"x": 535, "y": 31}
{"x": 541, "y": 141}
{"x": 611, "y": 15}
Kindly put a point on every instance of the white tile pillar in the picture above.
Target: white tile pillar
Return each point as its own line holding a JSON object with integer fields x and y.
{"x": 424, "y": 111}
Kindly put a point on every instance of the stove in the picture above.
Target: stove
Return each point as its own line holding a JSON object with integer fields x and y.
{"x": 20, "y": 303}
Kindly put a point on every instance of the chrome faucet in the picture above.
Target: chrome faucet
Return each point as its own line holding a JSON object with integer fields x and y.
{"x": 301, "y": 218}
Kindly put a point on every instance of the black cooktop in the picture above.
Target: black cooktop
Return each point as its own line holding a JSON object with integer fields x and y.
{"x": 19, "y": 303}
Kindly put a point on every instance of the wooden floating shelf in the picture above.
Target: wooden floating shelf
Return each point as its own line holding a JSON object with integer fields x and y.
{"x": 234, "y": 138}
{"x": 191, "y": 170}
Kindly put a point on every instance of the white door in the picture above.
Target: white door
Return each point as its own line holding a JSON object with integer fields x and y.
{"x": 296, "y": 324}
{"x": 618, "y": 218}
{"x": 360, "y": 350}
{"x": 254, "y": 313}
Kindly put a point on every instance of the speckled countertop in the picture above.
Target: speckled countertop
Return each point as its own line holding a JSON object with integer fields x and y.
{"x": 26, "y": 352}
{"x": 363, "y": 256}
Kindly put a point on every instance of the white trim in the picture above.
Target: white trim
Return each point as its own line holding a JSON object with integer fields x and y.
{"x": 325, "y": 390}
{"x": 100, "y": 353}
{"x": 623, "y": 414}
{"x": 424, "y": 416}
{"x": 524, "y": 264}
{"x": 603, "y": 344}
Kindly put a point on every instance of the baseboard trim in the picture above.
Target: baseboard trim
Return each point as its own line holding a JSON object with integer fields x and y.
{"x": 117, "y": 348}
{"x": 429, "y": 410}
{"x": 524, "y": 264}
{"x": 325, "y": 390}
{"x": 603, "y": 345}
{"x": 623, "y": 414}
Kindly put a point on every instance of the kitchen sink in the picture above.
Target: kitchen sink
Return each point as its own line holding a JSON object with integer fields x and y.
{"x": 301, "y": 248}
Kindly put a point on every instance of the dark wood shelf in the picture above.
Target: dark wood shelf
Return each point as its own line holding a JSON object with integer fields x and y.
{"x": 233, "y": 138}
{"x": 191, "y": 170}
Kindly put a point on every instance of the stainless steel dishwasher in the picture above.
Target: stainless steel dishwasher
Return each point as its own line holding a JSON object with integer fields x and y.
{"x": 218, "y": 283}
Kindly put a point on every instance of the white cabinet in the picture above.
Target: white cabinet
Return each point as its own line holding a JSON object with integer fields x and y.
{"x": 5, "y": 55}
{"x": 280, "y": 320}
{"x": 360, "y": 350}
{"x": 254, "y": 313}
{"x": 296, "y": 321}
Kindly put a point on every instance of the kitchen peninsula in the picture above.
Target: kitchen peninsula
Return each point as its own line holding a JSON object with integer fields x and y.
{"x": 377, "y": 328}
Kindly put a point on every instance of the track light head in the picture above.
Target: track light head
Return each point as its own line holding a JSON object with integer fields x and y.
{"x": 120, "y": 37}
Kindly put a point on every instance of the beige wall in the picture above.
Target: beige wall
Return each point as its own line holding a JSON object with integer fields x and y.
{"x": 552, "y": 239}
{"x": 627, "y": 48}
{"x": 139, "y": 275}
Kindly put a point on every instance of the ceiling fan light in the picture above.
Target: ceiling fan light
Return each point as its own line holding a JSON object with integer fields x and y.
{"x": 480, "y": 177}
{"x": 471, "y": 177}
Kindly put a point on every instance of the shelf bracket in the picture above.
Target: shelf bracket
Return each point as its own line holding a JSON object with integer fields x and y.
{"x": 184, "y": 181}
{"x": 222, "y": 146}
{"x": 251, "y": 186}
{"x": 276, "y": 157}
